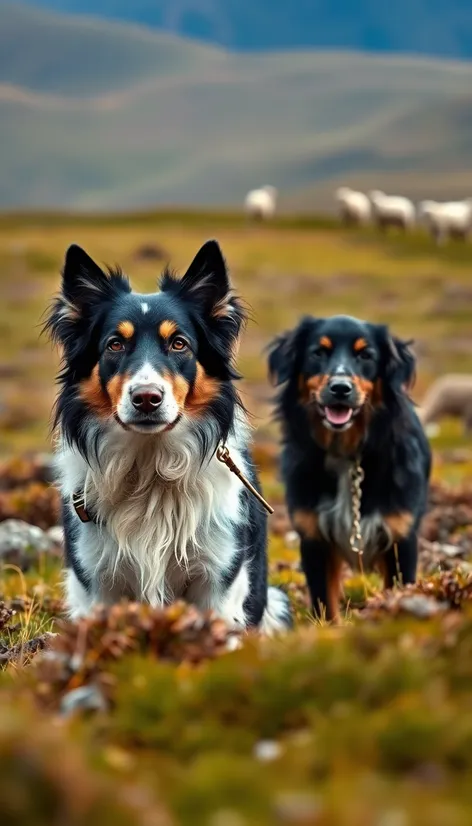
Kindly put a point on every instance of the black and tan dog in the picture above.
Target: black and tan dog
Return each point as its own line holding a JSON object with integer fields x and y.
{"x": 346, "y": 415}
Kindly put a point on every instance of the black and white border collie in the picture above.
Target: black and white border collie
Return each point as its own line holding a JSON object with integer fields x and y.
{"x": 344, "y": 403}
{"x": 146, "y": 397}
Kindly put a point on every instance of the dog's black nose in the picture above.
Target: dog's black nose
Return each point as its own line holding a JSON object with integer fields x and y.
{"x": 340, "y": 388}
{"x": 146, "y": 398}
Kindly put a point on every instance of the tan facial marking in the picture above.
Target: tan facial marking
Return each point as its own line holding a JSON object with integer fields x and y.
{"x": 115, "y": 388}
{"x": 312, "y": 387}
{"x": 365, "y": 389}
{"x": 306, "y": 523}
{"x": 326, "y": 342}
{"x": 180, "y": 389}
{"x": 92, "y": 393}
{"x": 204, "y": 390}
{"x": 399, "y": 524}
{"x": 167, "y": 329}
{"x": 126, "y": 329}
{"x": 360, "y": 344}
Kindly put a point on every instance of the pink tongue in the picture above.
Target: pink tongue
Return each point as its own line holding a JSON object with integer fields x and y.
{"x": 338, "y": 415}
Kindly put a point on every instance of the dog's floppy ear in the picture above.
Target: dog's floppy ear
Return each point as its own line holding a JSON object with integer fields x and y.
{"x": 399, "y": 363}
{"x": 286, "y": 351}
{"x": 282, "y": 356}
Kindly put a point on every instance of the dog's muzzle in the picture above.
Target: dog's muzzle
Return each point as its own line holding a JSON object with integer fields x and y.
{"x": 339, "y": 403}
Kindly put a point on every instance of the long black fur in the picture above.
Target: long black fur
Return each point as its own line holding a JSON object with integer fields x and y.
{"x": 393, "y": 451}
{"x": 88, "y": 314}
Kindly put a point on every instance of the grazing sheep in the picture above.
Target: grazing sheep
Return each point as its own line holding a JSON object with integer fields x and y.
{"x": 261, "y": 203}
{"x": 446, "y": 220}
{"x": 354, "y": 207}
{"x": 450, "y": 395}
{"x": 392, "y": 210}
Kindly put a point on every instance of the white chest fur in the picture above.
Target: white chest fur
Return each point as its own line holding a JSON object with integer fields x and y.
{"x": 163, "y": 519}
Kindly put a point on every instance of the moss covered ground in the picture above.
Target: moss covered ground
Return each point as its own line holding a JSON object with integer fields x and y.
{"x": 147, "y": 717}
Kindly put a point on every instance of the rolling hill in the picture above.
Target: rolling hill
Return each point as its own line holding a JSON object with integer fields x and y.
{"x": 435, "y": 27}
{"x": 98, "y": 114}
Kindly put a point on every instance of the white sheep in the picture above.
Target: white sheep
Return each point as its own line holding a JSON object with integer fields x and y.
{"x": 452, "y": 219}
{"x": 450, "y": 395}
{"x": 261, "y": 203}
{"x": 392, "y": 210}
{"x": 354, "y": 207}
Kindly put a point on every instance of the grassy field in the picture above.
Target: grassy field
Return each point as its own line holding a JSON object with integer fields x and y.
{"x": 366, "y": 724}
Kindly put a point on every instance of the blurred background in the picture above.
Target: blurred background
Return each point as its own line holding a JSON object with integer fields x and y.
{"x": 328, "y": 147}
{"x": 193, "y": 102}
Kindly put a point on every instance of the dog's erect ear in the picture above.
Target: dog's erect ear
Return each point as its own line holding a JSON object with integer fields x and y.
{"x": 286, "y": 351}
{"x": 217, "y": 310}
{"x": 83, "y": 282}
{"x": 399, "y": 362}
{"x": 205, "y": 284}
{"x": 84, "y": 287}
{"x": 206, "y": 281}
{"x": 207, "y": 287}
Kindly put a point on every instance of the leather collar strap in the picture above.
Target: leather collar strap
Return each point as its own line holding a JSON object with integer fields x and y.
{"x": 78, "y": 503}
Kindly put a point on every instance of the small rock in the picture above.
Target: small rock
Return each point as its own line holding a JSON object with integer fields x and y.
{"x": 85, "y": 698}
{"x": 233, "y": 643}
{"x": 267, "y": 750}
{"x": 450, "y": 550}
{"x": 421, "y": 606}
{"x": 432, "y": 430}
{"x": 56, "y": 535}
{"x": 21, "y": 543}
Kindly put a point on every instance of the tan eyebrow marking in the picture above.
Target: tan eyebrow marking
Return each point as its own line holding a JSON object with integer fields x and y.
{"x": 126, "y": 329}
{"x": 167, "y": 329}
{"x": 360, "y": 344}
{"x": 326, "y": 342}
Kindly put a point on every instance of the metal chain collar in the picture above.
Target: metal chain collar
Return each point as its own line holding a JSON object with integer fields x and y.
{"x": 357, "y": 477}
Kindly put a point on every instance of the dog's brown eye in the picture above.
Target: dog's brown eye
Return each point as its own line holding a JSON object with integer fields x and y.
{"x": 115, "y": 345}
{"x": 319, "y": 351}
{"x": 364, "y": 355}
{"x": 179, "y": 344}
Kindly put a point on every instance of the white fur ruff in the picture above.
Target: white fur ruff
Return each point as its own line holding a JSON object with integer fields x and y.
{"x": 165, "y": 525}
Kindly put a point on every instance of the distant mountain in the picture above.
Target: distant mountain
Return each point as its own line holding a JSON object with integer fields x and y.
{"x": 434, "y": 27}
{"x": 99, "y": 114}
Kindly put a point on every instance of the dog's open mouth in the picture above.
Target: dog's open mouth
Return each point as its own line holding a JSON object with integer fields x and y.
{"x": 338, "y": 417}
